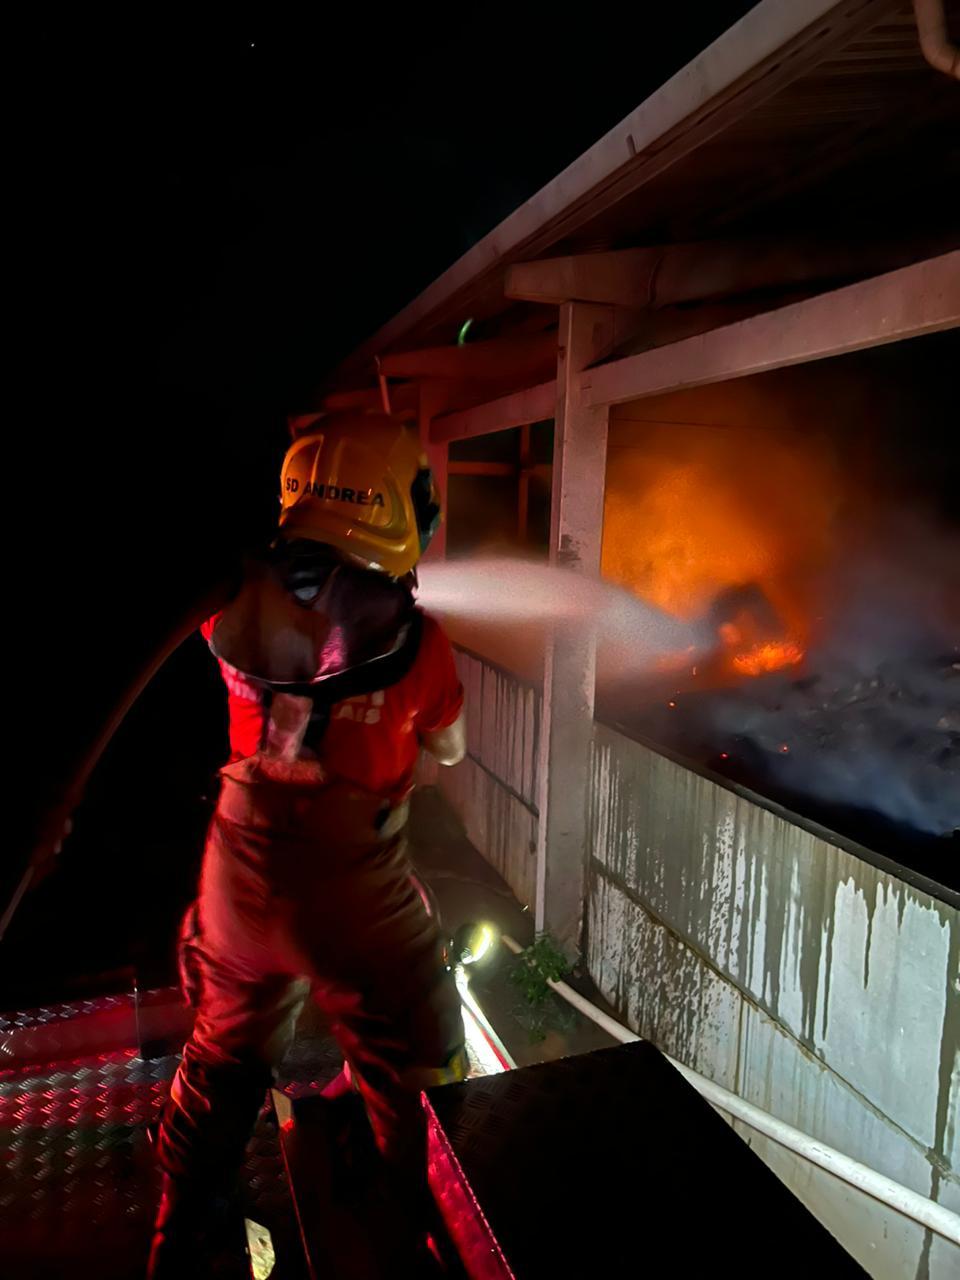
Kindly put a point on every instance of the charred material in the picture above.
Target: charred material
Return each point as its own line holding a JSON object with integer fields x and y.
{"x": 872, "y": 753}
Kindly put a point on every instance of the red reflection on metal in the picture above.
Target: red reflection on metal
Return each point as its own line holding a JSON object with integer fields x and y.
{"x": 77, "y": 1103}
{"x": 465, "y": 1221}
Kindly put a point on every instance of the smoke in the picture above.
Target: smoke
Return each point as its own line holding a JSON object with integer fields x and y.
{"x": 870, "y": 721}
{"x": 689, "y": 513}
{"x": 874, "y": 721}
{"x": 796, "y": 542}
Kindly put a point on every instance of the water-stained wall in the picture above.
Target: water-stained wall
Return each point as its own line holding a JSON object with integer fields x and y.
{"x": 798, "y": 975}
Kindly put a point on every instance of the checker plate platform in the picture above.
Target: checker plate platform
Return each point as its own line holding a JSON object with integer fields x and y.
{"x": 78, "y": 1184}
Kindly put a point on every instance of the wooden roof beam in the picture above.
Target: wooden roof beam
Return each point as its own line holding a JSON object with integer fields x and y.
{"x": 623, "y": 278}
{"x": 448, "y": 399}
{"x": 663, "y": 275}
{"x": 533, "y": 404}
{"x": 922, "y": 298}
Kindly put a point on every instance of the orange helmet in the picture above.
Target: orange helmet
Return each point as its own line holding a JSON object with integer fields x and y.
{"x": 360, "y": 482}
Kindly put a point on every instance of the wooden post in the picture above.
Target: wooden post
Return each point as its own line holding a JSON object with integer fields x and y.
{"x": 429, "y": 403}
{"x": 576, "y": 532}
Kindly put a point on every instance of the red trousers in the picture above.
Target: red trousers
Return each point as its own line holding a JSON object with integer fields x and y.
{"x": 305, "y": 890}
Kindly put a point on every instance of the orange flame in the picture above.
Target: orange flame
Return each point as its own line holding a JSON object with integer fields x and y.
{"x": 692, "y": 512}
{"x": 772, "y": 656}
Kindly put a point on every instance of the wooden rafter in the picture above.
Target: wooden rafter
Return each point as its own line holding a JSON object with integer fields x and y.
{"x": 922, "y": 298}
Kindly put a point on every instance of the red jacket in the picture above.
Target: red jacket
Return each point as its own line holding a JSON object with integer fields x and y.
{"x": 371, "y": 740}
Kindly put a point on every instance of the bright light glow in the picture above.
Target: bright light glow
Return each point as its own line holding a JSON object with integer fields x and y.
{"x": 484, "y": 943}
{"x": 477, "y": 1048}
{"x": 473, "y": 942}
{"x": 483, "y": 1045}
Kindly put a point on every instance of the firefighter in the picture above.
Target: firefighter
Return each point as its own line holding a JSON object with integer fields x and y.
{"x": 335, "y": 680}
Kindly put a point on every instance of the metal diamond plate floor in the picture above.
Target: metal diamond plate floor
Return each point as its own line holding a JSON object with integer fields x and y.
{"x": 77, "y": 1180}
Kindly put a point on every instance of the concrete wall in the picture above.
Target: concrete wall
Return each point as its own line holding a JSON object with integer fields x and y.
{"x": 793, "y": 973}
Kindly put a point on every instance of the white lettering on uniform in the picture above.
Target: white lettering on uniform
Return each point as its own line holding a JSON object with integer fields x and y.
{"x": 367, "y": 708}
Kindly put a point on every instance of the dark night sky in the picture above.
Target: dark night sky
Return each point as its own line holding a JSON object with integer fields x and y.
{"x": 233, "y": 214}
{"x": 202, "y": 225}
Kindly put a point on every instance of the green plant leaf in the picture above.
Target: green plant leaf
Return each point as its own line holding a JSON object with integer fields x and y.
{"x": 537, "y": 966}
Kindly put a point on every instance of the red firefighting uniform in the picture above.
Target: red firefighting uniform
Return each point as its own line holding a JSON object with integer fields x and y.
{"x": 306, "y": 888}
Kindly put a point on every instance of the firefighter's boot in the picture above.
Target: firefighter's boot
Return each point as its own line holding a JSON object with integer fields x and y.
{"x": 198, "y": 1232}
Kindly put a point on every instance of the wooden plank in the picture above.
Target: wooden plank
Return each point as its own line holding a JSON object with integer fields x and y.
{"x": 518, "y": 356}
{"x": 429, "y": 396}
{"x": 532, "y": 404}
{"x": 664, "y": 275}
{"x": 515, "y": 738}
{"x": 531, "y": 745}
{"x": 923, "y": 298}
{"x": 473, "y": 685}
{"x": 623, "y": 278}
{"x": 488, "y": 726}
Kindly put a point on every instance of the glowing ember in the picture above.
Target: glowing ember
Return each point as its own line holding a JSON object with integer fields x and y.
{"x": 771, "y": 656}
